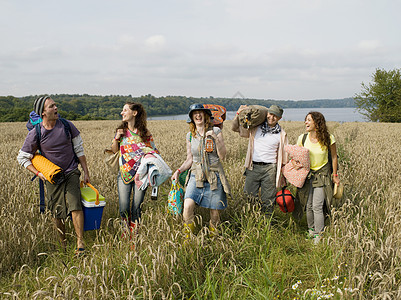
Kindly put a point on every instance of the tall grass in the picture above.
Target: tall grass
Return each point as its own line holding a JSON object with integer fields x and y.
{"x": 359, "y": 257}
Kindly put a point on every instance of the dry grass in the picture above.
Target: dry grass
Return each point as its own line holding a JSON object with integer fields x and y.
{"x": 359, "y": 257}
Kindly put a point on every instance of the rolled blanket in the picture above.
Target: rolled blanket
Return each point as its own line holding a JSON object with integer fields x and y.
{"x": 152, "y": 171}
{"x": 53, "y": 173}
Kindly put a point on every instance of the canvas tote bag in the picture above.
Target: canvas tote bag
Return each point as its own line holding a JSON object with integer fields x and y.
{"x": 111, "y": 160}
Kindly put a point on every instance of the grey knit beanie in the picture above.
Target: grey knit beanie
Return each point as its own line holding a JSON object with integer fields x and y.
{"x": 39, "y": 105}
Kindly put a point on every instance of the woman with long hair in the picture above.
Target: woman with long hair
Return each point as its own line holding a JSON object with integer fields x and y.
{"x": 133, "y": 140}
{"x": 206, "y": 182}
{"x": 317, "y": 190}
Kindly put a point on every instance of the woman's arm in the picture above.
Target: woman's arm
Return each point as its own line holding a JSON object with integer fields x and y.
{"x": 115, "y": 146}
{"x": 334, "y": 161}
{"x": 186, "y": 164}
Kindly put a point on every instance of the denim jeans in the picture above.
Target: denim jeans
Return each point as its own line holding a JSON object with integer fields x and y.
{"x": 124, "y": 199}
{"x": 262, "y": 177}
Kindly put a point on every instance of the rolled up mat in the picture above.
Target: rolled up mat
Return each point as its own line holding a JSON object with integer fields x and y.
{"x": 53, "y": 173}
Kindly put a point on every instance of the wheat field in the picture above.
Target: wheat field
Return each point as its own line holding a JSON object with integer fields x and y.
{"x": 358, "y": 258}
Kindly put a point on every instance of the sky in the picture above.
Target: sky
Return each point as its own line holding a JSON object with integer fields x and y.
{"x": 263, "y": 49}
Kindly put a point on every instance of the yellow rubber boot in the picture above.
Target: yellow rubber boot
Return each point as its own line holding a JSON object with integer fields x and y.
{"x": 213, "y": 232}
{"x": 188, "y": 230}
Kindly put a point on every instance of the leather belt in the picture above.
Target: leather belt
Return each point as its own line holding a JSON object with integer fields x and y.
{"x": 260, "y": 163}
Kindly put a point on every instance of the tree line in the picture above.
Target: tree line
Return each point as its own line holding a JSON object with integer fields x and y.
{"x": 92, "y": 107}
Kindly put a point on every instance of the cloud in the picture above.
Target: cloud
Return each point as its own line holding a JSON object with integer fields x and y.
{"x": 155, "y": 42}
{"x": 369, "y": 45}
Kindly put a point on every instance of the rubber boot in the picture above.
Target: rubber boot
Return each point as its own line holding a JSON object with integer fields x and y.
{"x": 132, "y": 228}
{"x": 188, "y": 230}
{"x": 213, "y": 232}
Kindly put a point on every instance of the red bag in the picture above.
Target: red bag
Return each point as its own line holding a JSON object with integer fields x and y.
{"x": 285, "y": 200}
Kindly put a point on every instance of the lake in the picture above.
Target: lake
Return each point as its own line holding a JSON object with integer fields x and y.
{"x": 342, "y": 114}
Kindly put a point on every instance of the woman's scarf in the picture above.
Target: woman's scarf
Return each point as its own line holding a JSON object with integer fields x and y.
{"x": 132, "y": 149}
{"x": 266, "y": 129}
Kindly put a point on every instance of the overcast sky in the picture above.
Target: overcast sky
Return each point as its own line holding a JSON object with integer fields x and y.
{"x": 265, "y": 49}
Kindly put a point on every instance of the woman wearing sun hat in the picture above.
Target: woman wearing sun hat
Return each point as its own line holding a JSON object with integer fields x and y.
{"x": 206, "y": 182}
{"x": 317, "y": 191}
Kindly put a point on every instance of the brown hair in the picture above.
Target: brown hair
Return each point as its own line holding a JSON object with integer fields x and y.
{"x": 208, "y": 124}
{"x": 140, "y": 120}
{"x": 323, "y": 135}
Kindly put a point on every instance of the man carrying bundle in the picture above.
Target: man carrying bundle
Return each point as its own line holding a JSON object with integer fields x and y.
{"x": 60, "y": 142}
{"x": 265, "y": 156}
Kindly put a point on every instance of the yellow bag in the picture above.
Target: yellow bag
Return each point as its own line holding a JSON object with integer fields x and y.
{"x": 53, "y": 173}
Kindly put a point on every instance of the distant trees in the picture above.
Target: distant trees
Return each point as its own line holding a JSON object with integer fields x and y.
{"x": 92, "y": 107}
{"x": 380, "y": 100}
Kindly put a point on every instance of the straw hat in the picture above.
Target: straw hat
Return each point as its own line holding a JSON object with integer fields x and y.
{"x": 338, "y": 191}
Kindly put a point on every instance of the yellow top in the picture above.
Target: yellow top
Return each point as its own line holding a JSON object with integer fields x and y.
{"x": 317, "y": 154}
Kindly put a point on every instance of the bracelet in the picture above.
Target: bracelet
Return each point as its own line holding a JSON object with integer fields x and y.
{"x": 335, "y": 175}
{"x": 37, "y": 173}
{"x": 116, "y": 139}
{"x": 179, "y": 171}
{"x": 237, "y": 113}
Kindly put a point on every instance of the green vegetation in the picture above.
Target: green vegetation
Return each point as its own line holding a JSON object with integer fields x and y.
{"x": 89, "y": 107}
{"x": 380, "y": 100}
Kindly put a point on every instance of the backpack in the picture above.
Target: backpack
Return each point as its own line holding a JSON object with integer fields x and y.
{"x": 34, "y": 123}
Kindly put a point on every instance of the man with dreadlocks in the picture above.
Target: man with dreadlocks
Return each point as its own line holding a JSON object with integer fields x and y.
{"x": 265, "y": 157}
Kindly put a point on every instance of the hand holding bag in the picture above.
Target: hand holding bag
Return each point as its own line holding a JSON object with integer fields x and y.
{"x": 111, "y": 160}
{"x": 175, "y": 198}
{"x": 182, "y": 178}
